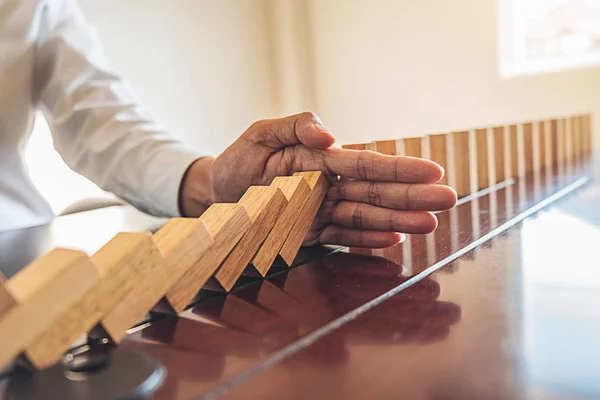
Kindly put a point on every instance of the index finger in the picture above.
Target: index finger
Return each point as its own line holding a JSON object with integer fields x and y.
{"x": 367, "y": 165}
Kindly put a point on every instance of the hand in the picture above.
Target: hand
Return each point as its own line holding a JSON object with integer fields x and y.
{"x": 372, "y": 197}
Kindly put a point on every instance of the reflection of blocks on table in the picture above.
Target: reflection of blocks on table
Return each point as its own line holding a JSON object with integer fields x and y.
{"x": 65, "y": 294}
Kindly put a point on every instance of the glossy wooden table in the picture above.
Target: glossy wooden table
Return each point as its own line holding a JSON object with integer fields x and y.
{"x": 501, "y": 302}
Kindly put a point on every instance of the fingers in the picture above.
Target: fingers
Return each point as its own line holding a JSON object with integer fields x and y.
{"x": 365, "y": 216}
{"x": 399, "y": 196}
{"x": 370, "y": 166}
{"x": 304, "y": 128}
{"x": 337, "y": 235}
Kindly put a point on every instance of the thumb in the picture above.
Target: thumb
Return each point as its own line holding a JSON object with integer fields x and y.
{"x": 305, "y": 128}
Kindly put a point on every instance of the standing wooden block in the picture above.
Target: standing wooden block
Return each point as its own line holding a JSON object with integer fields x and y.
{"x": 388, "y": 147}
{"x": 574, "y": 126}
{"x": 317, "y": 182}
{"x": 588, "y": 133}
{"x": 412, "y": 147}
{"x": 7, "y": 300}
{"x": 499, "y": 154}
{"x": 513, "y": 137}
{"x": 462, "y": 163}
{"x": 358, "y": 146}
{"x": 528, "y": 146}
{"x": 542, "y": 150}
{"x": 297, "y": 192}
{"x": 264, "y": 206}
{"x": 43, "y": 291}
{"x": 481, "y": 147}
{"x": 438, "y": 153}
{"x": 553, "y": 143}
{"x": 123, "y": 262}
{"x": 226, "y": 224}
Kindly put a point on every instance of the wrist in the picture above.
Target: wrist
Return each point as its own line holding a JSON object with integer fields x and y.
{"x": 196, "y": 191}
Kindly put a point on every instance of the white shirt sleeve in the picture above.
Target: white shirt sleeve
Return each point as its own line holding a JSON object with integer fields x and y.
{"x": 98, "y": 127}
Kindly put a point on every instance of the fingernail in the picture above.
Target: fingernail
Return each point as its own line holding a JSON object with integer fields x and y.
{"x": 324, "y": 130}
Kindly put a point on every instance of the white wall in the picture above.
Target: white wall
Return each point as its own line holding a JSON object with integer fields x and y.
{"x": 390, "y": 69}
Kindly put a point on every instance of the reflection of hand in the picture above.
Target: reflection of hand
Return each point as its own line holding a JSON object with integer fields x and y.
{"x": 378, "y": 195}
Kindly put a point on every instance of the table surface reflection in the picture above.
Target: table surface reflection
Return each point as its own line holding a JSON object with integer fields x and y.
{"x": 500, "y": 302}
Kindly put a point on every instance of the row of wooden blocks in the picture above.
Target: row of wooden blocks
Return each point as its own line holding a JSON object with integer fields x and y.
{"x": 66, "y": 293}
{"x": 480, "y": 158}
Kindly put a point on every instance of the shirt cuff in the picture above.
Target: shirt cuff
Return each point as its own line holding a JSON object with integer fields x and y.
{"x": 160, "y": 195}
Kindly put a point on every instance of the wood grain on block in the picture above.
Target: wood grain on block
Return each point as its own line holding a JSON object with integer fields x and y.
{"x": 542, "y": 150}
{"x": 297, "y": 193}
{"x": 499, "y": 154}
{"x": 481, "y": 148}
{"x": 264, "y": 205}
{"x": 462, "y": 163}
{"x": 317, "y": 182}
{"x": 528, "y": 146}
{"x": 412, "y": 147}
{"x": 226, "y": 224}
{"x": 386, "y": 147}
{"x": 43, "y": 291}
{"x": 358, "y": 146}
{"x": 438, "y": 153}
{"x": 553, "y": 143}
{"x": 123, "y": 262}
{"x": 513, "y": 139}
{"x": 6, "y": 297}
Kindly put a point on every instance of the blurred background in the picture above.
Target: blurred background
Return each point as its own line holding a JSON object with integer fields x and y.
{"x": 371, "y": 69}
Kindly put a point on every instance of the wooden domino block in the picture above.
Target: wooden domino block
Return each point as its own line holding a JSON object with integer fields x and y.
{"x": 389, "y": 147}
{"x": 226, "y": 224}
{"x": 541, "y": 148}
{"x": 553, "y": 143}
{"x": 264, "y": 206}
{"x": 513, "y": 140}
{"x": 481, "y": 147}
{"x": 124, "y": 262}
{"x": 297, "y": 192}
{"x": 588, "y": 132}
{"x": 462, "y": 163}
{"x": 7, "y": 300}
{"x": 528, "y": 146}
{"x": 438, "y": 153}
{"x": 499, "y": 154}
{"x": 43, "y": 291}
{"x": 317, "y": 181}
{"x": 358, "y": 146}
{"x": 412, "y": 147}
{"x": 575, "y": 137}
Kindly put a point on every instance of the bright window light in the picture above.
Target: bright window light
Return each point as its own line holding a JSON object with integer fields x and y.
{"x": 538, "y": 36}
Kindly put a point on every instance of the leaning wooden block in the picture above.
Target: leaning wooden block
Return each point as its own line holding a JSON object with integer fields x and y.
{"x": 264, "y": 205}
{"x": 43, "y": 291}
{"x": 124, "y": 262}
{"x": 226, "y": 224}
{"x": 317, "y": 181}
{"x": 462, "y": 163}
{"x": 7, "y": 300}
{"x": 438, "y": 153}
{"x": 481, "y": 147}
{"x": 297, "y": 192}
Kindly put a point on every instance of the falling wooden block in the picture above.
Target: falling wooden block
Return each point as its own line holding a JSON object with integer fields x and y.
{"x": 226, "y": 224}
{"x": 7, "y": 300}
{"x": 513, "y": 139}
{"x": 297, "y": 193}
{"x": 481, "y": 147}
{"x": 43, "y": 291}
{"x": 264, "y": 206}
{"x": 499, "y": 154}
{"x": 438, "y": 153}
{"x": 528, "y": 146}
{"x": 389, "y": 147}
{"x": 462, "y": 163}
{"x": 124, "y": 262}
{"x": 317, "y": 182}
{"x": 412, "y": 147}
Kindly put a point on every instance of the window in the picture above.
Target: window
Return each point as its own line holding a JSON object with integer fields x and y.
{"x": 548, "y": 35}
